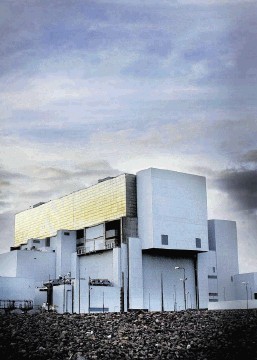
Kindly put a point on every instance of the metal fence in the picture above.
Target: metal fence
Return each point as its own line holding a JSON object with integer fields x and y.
{"x": 23, "y": 305}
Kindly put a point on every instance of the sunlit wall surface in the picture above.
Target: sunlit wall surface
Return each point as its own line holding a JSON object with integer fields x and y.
{"x": 107, "y": 200}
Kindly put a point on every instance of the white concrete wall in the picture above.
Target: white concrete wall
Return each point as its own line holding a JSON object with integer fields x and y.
{"x": 124, "y": 269}
{"x": 65, "y": 246}
{"x": 212, "y": 277}
{"x": 174, "y": 204}
{"x": 156, "y": 267}
{"x": 145, "y": 208}
{"x": 240, "y": 289}
{"x": 136, "y": 289}
{"x": 107, "y": 297}
{"x": 62, "y": 298}
{"x": 8, "y": 264}
{"x": 12, "y": 288}
{"x": 223, "y": 238}
{"x": 229, "y": 305}
{"x": 40, "y": 298}
{"x": 36, "y": 265}
{"x": 202, "y": 270}
{"x": 116, "y": 266}
{"x": 96, "y": 266}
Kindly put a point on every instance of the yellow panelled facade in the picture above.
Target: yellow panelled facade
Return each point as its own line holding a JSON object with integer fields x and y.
{"x": 101, "y": 202}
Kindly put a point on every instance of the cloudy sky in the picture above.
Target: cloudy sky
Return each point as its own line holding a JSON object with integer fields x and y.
{"x": 95, "y": 88}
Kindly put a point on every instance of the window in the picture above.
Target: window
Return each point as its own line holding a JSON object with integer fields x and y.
{"x": 255, "y": 296}
{"x": 66, "y": 233}
{"x": 48, "y": 241}
{"x": 198, "y": 243}
{"x": 212, "y": 276}
{"x": 80, "y": 234}
{"x": 213, "y": 300}
{"x": 232, "y": 279}
{"x": 213, "y": 294}
{"x": 213, "y": 269}
{"x": 36, "y": 241}
{"x": 165, "y": 240}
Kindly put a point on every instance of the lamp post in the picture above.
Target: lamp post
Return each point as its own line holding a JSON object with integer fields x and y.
{"x": 175, "y": 298}
{"x": 80, "y": 278}
{"x": 89, "y": 294}
{"x": 184, "y": 283}
{"x": 246, "y": 289}
{"x": 187, "y": 294}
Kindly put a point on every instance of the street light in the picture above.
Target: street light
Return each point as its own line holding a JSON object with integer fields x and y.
{"x": 187, "y": 294}
{"x": 80, "y": 278}
{"x": 184, "y": 283}
{"x": 175, "y": 298}
{"x": 246, "y": 289}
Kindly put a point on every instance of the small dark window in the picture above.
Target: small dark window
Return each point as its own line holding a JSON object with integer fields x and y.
{"x": 48, "y": 241}
{"x": 212, "y": 276}
{"x": 255, "y": 296}
{"x": 232, "y": 279}
{"x": 213, "y": 294}
{"x": 66, "y": 233}
{"x": 165, "y": 240}
{"x": 213, "y": 300}
{"x": 80, "y": 233}
{"x": 198, "y": 243}
{"x": 36, "y": 241}
{"x": 213, "y": 269}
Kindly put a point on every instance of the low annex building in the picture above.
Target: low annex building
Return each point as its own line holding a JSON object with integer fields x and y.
{"x": 129, "y": 242}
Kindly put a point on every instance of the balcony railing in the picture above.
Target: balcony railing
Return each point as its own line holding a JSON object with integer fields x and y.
{"x": 96, "y": 245}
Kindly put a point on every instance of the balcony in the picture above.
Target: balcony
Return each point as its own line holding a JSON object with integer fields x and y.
{"x": 97, "y": 245}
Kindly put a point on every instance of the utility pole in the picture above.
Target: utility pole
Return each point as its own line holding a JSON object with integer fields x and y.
{"x": 175, "y": 298}
{"x": 89, "y": 305}
{"x": 79, "y": 285}
{"x": 246, "y": 289}
{"x": 162, "y": 304}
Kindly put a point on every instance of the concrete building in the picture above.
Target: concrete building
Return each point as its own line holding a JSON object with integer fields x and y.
{"x": 223, "y": 260}
{"x": 227, "y": 288}
{"x": 129, "y": 242}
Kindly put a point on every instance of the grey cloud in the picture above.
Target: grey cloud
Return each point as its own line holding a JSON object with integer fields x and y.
{"x": 4, "y": 183}
{"x": 96, "y": 169}
{"x": 51, "y": 173}
{"x": 250, "y": 156}
{"x": 7, "y": 175}
{"x": 7, "y": 190}
{"x": 243, "y": 35}
{"x": 241, "y": 185}
{"x": 7, "y": 231}
{"x": 86, "y": 169}
{"x": 4, "y": 205}
{"x": 47, "y": 183}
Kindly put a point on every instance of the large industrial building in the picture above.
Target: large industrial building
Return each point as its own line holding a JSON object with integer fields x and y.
{"x": 130, "y": 242}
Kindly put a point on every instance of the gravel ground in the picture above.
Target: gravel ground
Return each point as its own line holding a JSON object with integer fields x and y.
{"x": 215, "y": 335}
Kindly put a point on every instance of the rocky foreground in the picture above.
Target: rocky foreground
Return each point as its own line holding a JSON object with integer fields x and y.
{"x": 136, "y": 335}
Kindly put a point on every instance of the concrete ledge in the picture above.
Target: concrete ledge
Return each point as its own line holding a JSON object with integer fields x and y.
{"x": 235, "y": 304}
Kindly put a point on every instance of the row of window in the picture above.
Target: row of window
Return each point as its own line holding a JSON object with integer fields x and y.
{"x": 165, "y": 241}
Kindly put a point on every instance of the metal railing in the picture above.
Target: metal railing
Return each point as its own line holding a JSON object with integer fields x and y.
{"x": 96, "y": 245}
{"x": 16, "y": 304}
